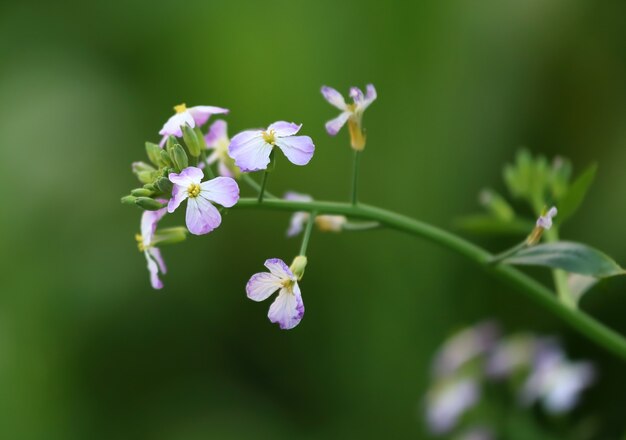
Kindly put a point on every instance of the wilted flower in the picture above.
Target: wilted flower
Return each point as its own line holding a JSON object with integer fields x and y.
{"x": 545, "y": 221}
{"x": 192, "y": 116}
{"x": 149, "y": 220}
{"x": 327, "y": 223}
{"x": 218, "y": 141}
{"x": 251, "y": 149}
{"x": 202, "y": 217}
{"x": 287, "y": 309}
{"x": 352, "y": 113}
{"x": 447, "y": 401}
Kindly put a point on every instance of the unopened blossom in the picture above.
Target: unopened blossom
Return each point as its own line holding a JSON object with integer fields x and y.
{"x": 192, "y": 116}
{"x": 287, "y": 309}
{"x": 326, "y": 223}
{"x": 447, "y": 401}
{"x": 545, "y": 221}
{"x": 149, "y": 221}
{"x": 202, "y": 217}
{"x": 351, "y": 113}
{"x": 217, "y": 140}
{"x": 251, "y": 149}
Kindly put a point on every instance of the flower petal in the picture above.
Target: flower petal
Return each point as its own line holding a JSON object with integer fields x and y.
{"x": 370, "y": 96}
{"x": 261, "y": 285}
{"x": 283, "y": 128}
{"x": 287, "y": 309}
{"x": 278, "y": 268}
{"x": 250, "y": 151}
{"x": 179, "y": 194}
{"x": 173, "y": 124}
{"x": 224, "y": 171}
{"x": 149, "y": 220}
{"x": 187, "y": 176}
{"x": 296, "y": 225}
{"x": 298, "y": 149}
{"x": 155, "y": 253}
{"x": 334, "y": 125}
{"x": 201, "y": 113}
{"x": 222, "y": 190}
{"x": 154, "y": 272}
{"x": 334, "y": 98}
{"x": 357, "y": 95}
{"x": 202, "y": 217}
{"x": 218, "y": 130}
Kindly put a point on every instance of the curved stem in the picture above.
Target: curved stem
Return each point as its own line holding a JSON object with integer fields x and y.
{"x": 584, "y": 323}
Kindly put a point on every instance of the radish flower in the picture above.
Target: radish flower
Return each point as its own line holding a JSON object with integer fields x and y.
{"x": 325, "y": 223}
{"x": 149, "y": 221}
{"x": 192, "y": 116}
{"x": 545, "y": 221}
{"x": 218, "y": 141}
{"x": 202, "y": 217}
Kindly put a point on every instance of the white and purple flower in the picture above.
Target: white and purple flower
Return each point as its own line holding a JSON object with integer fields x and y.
{"x": 251, "y": 149}
{"x": 217, "y": 140}
{"x": 202, "y": 217}
{"x": 192, "y": 116}
{"x": 149, "y": 221}
{"x": 351, "y": 113}
{"x": 287, "y": 309}
{"x": 447, "y": 401}
{"x": 326, "y": 223}
{"x": 545, "y": 221}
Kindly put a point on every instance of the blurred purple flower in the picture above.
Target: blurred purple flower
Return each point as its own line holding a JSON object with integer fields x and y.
{"x": 545, "y": 221}
{"x": 192, "y": 116}
{"x": 326, "y": 223}
{"x": 202, "y": 217}
{"x": 149, "y": 221}
{"x": 447, "y": 401}
{"x": 217, "y": 140}
{"x": 287, "y": 309}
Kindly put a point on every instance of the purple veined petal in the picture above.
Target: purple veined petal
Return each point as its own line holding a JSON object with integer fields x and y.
{"x": 297, "y": 197}
{"x": 298, "y": 149}
{"x": 296, "y": 225}
{"x": 278, "y": 268}
{"x": 202, "y": 217}
{"x": 155, "y": 253}
{"x": 149, "y": 220}
{"x": 173, "y": 124}
{"x": 187, "y": 176}
{"x": 370, "y": 96}
{"x": 222, "y": 190}
{"x": 287, "y": 309}
{"x": 357, "y": 95}
{"x": 202, "y": 113}
{"x": 334, "y": 125}
{"x": 250, "y": 151}
{"x": 261, "y": 285}
{"x": 179, "y": 194}
{"x": 223, "y": 170}
{"x": 154, "y": 272}
{"x": 283, "y": 128}
{"x": 334, "y": 98}
{"x": 217, "y": 131}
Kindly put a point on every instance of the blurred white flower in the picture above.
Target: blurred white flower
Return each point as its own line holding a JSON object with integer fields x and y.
{"x": 447, "y": 401}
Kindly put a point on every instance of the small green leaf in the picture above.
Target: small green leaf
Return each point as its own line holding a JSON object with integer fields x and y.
{"x": 576, "y": 193}
{"x": 569, "y": 256}
{"x": 489, "y": 224}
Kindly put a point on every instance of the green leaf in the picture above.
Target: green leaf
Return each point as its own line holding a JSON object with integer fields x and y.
{"x": 569, "y": 256}
{"x": 489, "y": 224}
{"x": 576, "y": 193}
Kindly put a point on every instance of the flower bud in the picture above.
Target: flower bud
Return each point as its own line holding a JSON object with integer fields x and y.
{"x": 165, "y": 158}
{"x": 148, "y": 204}
{"x": 201, "y": 140}
{"x": 179, "y": 157}
{"x": 150, "y": 187}
{"x": 143, "y": 171}
{"x": 141, "y": 192}
{"x": 357, "y": 136}
{"x": 154, "y": 153}
{"x": 128, "y": 200}
{"x": 169, "y": 236}
{"x": 298, "y": 266}
{"x": 169, "y": 144}
{"x": 164, "y": 184}
{"x": 191, "y": 140}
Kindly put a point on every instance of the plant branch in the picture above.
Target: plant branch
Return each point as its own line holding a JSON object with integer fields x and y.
{"x": 584, "y": 323}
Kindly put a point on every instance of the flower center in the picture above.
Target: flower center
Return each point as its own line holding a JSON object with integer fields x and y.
{"x": 269, "y": 137}
{"x": 140, "y": 245}
{"x": 288, "y": 284}
{"x": 193, "y": 190}
{"x": 180, "y": 108}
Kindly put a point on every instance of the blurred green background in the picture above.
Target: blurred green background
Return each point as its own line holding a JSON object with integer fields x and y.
{"x": 88, "y": 350}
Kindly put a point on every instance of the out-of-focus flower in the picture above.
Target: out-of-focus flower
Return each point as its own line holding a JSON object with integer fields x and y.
{"x": 447, "y": 401}
{"x": 556, "y": 382}
{"x": 326, "y": 223}
{"x": 476, "y": 433}
{"x": 287, "y": 309}
{"x": 192, "y": 116}
{"x": 511, "y": 354}
{"x": 149, "y": 221}
{"x": 217, "y": 140}
{"x": 545, "y": 221}
{"x": 251, "y": 149}
{"x": 463, "y": 347}
{"x": 202, "y": 217}
{"x": 351, "y": 113}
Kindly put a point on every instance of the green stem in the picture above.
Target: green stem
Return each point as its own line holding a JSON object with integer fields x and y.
{"x": 355, "y": 176}
{"x": 255, "y": 185}
{"x": 263, "y": 183}
{"x": 560, "y": 277}
{"x": 584, "y": 323}
{"x": 307, "y": 233}
{"x": 512, "y": 251}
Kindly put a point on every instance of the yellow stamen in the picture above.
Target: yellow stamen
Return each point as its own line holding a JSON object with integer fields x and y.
{"x": 180, "y": 108}
{"x": 287, "y": 284}
{"x": 269, "y": 137}
{"x": 193, "y": 190}
{"x": 140, "y": 245}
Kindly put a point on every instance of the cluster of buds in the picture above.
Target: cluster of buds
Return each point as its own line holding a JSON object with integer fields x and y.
{"x": 185, "y": 155}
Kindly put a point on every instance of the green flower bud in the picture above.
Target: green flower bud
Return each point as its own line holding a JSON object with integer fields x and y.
{"x": 148, "y": 204}
{"x": 169, "y": 236}
{"x": 150, "y": 187}
{"x": 128, "y": 200}
{"x": 191, "y": 140}
{"x": 179, "y": 158}
{"x": 154, "y": 153}
{"x": 298, "y": 266}
{"x": 164, "y": 184}
{"x": 141, "y": 192}
{"x": 144, "y": 172}
{"x": 169, "y": 144}
{"x": 200, "y": 137}
{"x": 165, "y": 158}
